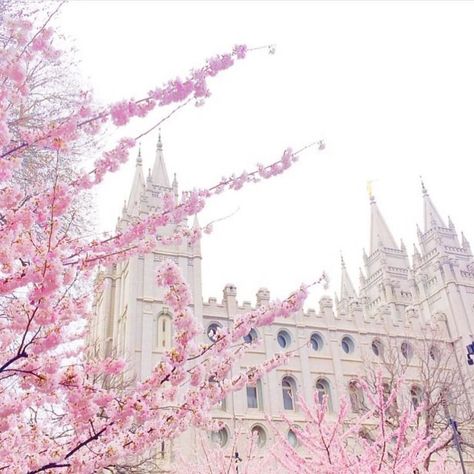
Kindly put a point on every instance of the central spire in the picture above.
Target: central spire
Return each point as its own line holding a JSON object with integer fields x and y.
{"x": 159, "y": 175}
{"x": 380, "y": 235}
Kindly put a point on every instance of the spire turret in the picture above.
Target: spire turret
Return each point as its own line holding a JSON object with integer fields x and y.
{"x": 451, "y": 224}
{"x": 138, "y": 185}
{"x": 402, "y": 246}
{"x": 347, "y": 288}
{"x": 465, "y": 243}
{"x": 431, "y": 215}
{"x": 159, "y": 175}
{"x": 362, "y": 279}
{"x": 380, "y": 235}
{"x": 416, "y": 256}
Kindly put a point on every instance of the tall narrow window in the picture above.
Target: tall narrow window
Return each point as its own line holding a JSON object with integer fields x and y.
{"x": 163, "y": 335}
{"x": 222, "y": 405}
{"x": 260, "y": 436}
{"x": 416, "y": 394}
{"x": 254, "y": 395}
{"x": 162, "y": 451}
{"x": 323, "y": 390}
{"x": 356, "y": 397}
{"x": 387, "y": 392}
{"x": 252, "y": 399}
{"x": 289, "y": 391}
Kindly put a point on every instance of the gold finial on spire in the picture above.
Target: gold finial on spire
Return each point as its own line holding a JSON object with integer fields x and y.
{"x": 370, "y": 190}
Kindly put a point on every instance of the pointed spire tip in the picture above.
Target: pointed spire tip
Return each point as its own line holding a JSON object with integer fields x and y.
{"x": 424, "y": 191}
{"x": 139, "y": 157}
{"x": 159, "y": 144}
{"x": 370, "y": 191}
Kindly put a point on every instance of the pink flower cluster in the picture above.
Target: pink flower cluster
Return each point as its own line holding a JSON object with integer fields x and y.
{"x": 65, "y": 405}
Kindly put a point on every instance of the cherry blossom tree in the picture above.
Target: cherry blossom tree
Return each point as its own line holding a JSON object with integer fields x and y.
{"x": 363, "y": 443}
{"x": 433, "y": 375}
{"x": 56, "y": 414}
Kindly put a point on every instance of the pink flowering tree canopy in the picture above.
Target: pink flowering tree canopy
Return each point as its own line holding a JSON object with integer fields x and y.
{"x": 332, "y": 443}
{"x": 56, "y": 412}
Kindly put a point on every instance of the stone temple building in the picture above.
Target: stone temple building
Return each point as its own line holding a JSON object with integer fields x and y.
{"x": 400, "y": 300}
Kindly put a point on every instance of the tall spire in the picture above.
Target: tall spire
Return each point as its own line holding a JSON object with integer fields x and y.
{"x": 137, "y": 185}
{"x": 347, "y": 288}
{"x": 431, "y": 215}
{"x": 159, "y": 175}
{"x": 380, "y": 234}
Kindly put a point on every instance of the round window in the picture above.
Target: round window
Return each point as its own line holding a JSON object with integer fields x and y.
{"x": 252, "y": 336}
{"x": 377, "y": 348}
{"x": 292, "y": 438}
{"x": 316, "y": 342}
{"x": 259, "y": 435}
{"x": 347, "y": 345}
{"x": 212, "y": 330}
{"x": 284, "y": 339}
{"x": 220, "y": 437}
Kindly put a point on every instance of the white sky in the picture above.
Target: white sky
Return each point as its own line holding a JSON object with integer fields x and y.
{"x": 389, "y": 86}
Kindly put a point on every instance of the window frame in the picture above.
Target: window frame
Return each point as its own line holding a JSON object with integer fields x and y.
{"x": 288, "y": 386}
{"x": 285, "y": 334}
{"x": 349, "y": 341}
{"x": 319, "y": 339}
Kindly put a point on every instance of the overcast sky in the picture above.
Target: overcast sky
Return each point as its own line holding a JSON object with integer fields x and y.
{"x": 389, "y": 86}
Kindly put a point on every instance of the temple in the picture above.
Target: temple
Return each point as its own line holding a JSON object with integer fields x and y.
{"x": 399, "y": 301}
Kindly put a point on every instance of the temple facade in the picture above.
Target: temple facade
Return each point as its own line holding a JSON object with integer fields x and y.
{"x": 401, "y": 304}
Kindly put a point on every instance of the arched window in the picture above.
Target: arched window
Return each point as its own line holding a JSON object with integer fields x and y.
{"x": 347, "y": 344}
{"x": 258, "y": 432}
{"x": 288, "y": 386}
{"x": 284, "y": 339}
{"x": 317, "y": 342}
{"x": 212, "y": 330}
{"x": 407, "y": 350}
{"x": 356, "y": 397}
{"x": 392, "y": 410}
{"x": 163, "y": 333}
{"x": 416, "y": 394}
{"x": 254, "y": 395}
{"x": 220, "y": 437}
{"x": 252, "y": 336}
{"x": 434, "y": 353}
{"x": 222, "y": 405}
{"x": 323, "y": 389}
